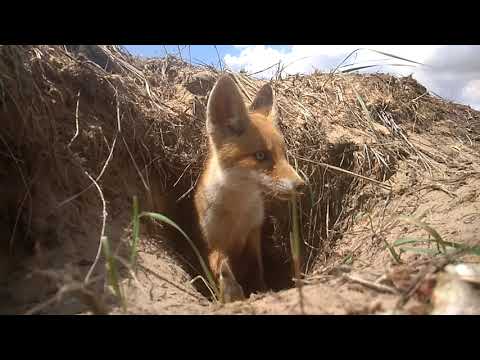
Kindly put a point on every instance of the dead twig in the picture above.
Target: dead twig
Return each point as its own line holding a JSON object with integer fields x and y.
{"x": 102, "y": 232}
{"x": 369, "y": 284}
{"x": 77, "y": 129}
{"x": 79, "y": 290}
{"x": 331, "y": 167}
{"x": 431, "y": 267}
{"x": 179, "y": 287}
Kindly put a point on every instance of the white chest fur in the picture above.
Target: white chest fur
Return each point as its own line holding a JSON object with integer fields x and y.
{"x": 234, "y": 207}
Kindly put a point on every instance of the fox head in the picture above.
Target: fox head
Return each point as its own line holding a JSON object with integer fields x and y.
{"x": 246, "y": 141}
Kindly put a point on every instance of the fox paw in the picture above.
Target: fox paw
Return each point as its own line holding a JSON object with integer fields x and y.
{"x": 230, "y": 289}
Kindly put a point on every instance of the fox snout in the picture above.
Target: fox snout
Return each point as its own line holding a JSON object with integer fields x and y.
{"x": 299, "y": 185}
{"x": 295, "y": 184}
{"x": 287, "y": 182}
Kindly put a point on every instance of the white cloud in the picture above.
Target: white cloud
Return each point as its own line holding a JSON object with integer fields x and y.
{"x": 306, "y": 58}
{"x": 450, "y": 74}
{"x": 254, "y": 58}
{"x": 471, "y": 92}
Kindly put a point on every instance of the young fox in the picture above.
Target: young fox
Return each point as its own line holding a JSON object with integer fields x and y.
{"x": 246, "y": 162}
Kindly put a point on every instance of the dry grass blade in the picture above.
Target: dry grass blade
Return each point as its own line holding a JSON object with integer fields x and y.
{"x": 102, "y": 231}
{"x": 369, "y": 284}
{"x": 78, "y": 290}
{"x": 331, "y": 167}
{"x": 169, "y": 281}
{"x": 77, "y": 127}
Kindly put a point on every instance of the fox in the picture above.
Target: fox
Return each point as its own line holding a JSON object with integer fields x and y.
{"x": 246, "y": 163}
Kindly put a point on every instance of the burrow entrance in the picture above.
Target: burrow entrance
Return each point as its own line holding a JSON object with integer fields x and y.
{"x": 339, "y": 192}
{"x": 133, "y": 146}
{"x": 31, "y": 225}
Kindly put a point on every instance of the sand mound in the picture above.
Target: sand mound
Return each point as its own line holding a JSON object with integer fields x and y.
{"x": 85, "y": 131}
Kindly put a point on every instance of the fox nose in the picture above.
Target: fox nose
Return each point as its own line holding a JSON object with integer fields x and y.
{"x": 299, "y": 184}
{"x": 295, "y": 182}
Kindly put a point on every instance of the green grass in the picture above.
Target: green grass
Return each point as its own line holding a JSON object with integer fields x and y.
{"x": 295, "y": 240}
{"x": 295, "y": 245}
{"x": 112, "y": 272}
{"x": 441, "y": 246}
{"x": 352, "y": 67}
{"x": 392, "y": 251}
{"x": 211, "y": 285}
{"x": 135, "y": 234}
{"x": 111, "y": 259}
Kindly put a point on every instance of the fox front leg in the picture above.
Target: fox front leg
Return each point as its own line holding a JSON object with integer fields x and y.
{"x": 254, "y": 243}
{"x": 230, "y": 289}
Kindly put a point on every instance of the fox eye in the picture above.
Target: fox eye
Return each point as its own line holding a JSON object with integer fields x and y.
{"x": 260, "y": 155}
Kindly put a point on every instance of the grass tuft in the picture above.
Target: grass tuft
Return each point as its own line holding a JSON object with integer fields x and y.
{"x": 211, "y": 282}
{"x": 442, "y": 246}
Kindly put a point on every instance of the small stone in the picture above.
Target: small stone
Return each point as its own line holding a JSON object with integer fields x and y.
{"x": 453, "y": 296}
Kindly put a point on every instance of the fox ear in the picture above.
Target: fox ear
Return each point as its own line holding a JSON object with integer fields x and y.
{"x": 226, "y": 110}
{"x": 264, "y": 101}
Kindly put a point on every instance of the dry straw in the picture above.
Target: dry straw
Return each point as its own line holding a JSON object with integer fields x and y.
{"x": 345, "y": 132}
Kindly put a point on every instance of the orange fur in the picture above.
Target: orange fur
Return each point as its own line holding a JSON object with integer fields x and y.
{"x": 246, "y": 162}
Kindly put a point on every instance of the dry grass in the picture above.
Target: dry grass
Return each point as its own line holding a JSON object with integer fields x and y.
{"x": 137, "y": 130}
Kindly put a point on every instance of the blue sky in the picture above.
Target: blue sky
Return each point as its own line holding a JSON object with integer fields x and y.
{"x": 451, "y": 71}
{"x": 203, "y": 53}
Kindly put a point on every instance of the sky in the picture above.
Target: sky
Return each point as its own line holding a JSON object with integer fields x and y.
{"x": 450, "y": 71}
